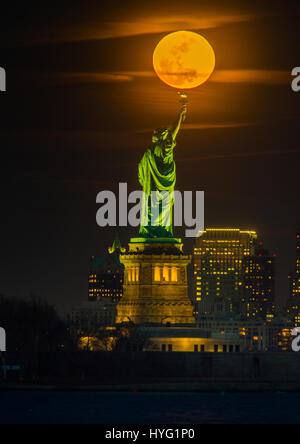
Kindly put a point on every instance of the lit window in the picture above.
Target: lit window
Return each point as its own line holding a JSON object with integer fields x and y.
{"x": 174, "y": 274}
{"x": 166, "y": 273}
{"x": 157, "y": 274}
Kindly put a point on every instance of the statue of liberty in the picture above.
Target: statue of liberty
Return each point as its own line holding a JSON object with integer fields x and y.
{"x": 157, "y": 176}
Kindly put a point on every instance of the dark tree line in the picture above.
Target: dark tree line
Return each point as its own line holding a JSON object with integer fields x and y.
{"x": 32, "y": 326}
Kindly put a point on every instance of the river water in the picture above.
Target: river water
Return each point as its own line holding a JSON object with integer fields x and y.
{"x": 43, "y": 407}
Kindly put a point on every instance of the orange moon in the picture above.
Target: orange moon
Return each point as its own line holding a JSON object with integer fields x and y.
{"x": 184, "y": 60}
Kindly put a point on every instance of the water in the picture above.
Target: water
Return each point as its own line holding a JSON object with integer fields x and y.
{"x": 41, "y": 407}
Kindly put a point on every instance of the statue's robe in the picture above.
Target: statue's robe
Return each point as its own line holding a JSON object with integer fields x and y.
{"x": 157, "y": 173}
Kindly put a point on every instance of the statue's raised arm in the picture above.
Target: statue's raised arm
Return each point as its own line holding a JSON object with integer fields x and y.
{"x": 174, "y": 129}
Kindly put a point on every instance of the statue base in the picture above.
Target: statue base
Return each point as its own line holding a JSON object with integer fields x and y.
{"x": 155, "y": 245}
{"x": 155, "y": 240}
{"x": 155, "y": 284}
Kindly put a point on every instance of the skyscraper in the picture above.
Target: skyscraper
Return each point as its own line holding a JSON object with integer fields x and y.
{"x": 219, "y": 269}
{"x": 105, "y": 291}
{"x": 293, "y": 305}
{"x": 106, "y": 275}
{"x": 259, "y": 284}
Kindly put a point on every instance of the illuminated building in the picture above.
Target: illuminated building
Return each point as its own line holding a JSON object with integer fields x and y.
{"x": 105, "y": 291}
{"x": 219, "y": 269}
{"x": 259, "y": 284}
{"x": 91, "y": 325}
{"x": 293, "y": 305}
{"x": 87, "y": 318}
{"x": 106, "y": 275}
{"x": 259, "y": 335}
{"x": 155, "y": 285}
{"x": 192, "y": 340}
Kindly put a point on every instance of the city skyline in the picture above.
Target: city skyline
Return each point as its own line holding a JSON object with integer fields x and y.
{"x": 82, "y": 101}
{"x": 231, "y": 272}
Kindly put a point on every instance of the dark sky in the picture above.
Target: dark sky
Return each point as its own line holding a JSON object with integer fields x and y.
{"x": 80, "y": 106}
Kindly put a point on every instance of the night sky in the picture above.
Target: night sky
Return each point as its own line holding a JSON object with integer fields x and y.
{"x": 82, "y": 101}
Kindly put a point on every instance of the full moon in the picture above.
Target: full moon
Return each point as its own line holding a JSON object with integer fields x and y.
{"x": 184, "y": 60}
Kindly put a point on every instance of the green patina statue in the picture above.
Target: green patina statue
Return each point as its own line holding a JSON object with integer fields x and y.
{"x": 157, "y": 176}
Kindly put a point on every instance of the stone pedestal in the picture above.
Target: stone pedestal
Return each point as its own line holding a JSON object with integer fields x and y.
{"x": 155, "y": 284}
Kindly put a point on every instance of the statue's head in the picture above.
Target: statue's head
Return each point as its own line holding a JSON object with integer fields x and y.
{"x": 159, "y": 134}
{"x": 162, "y": 135}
